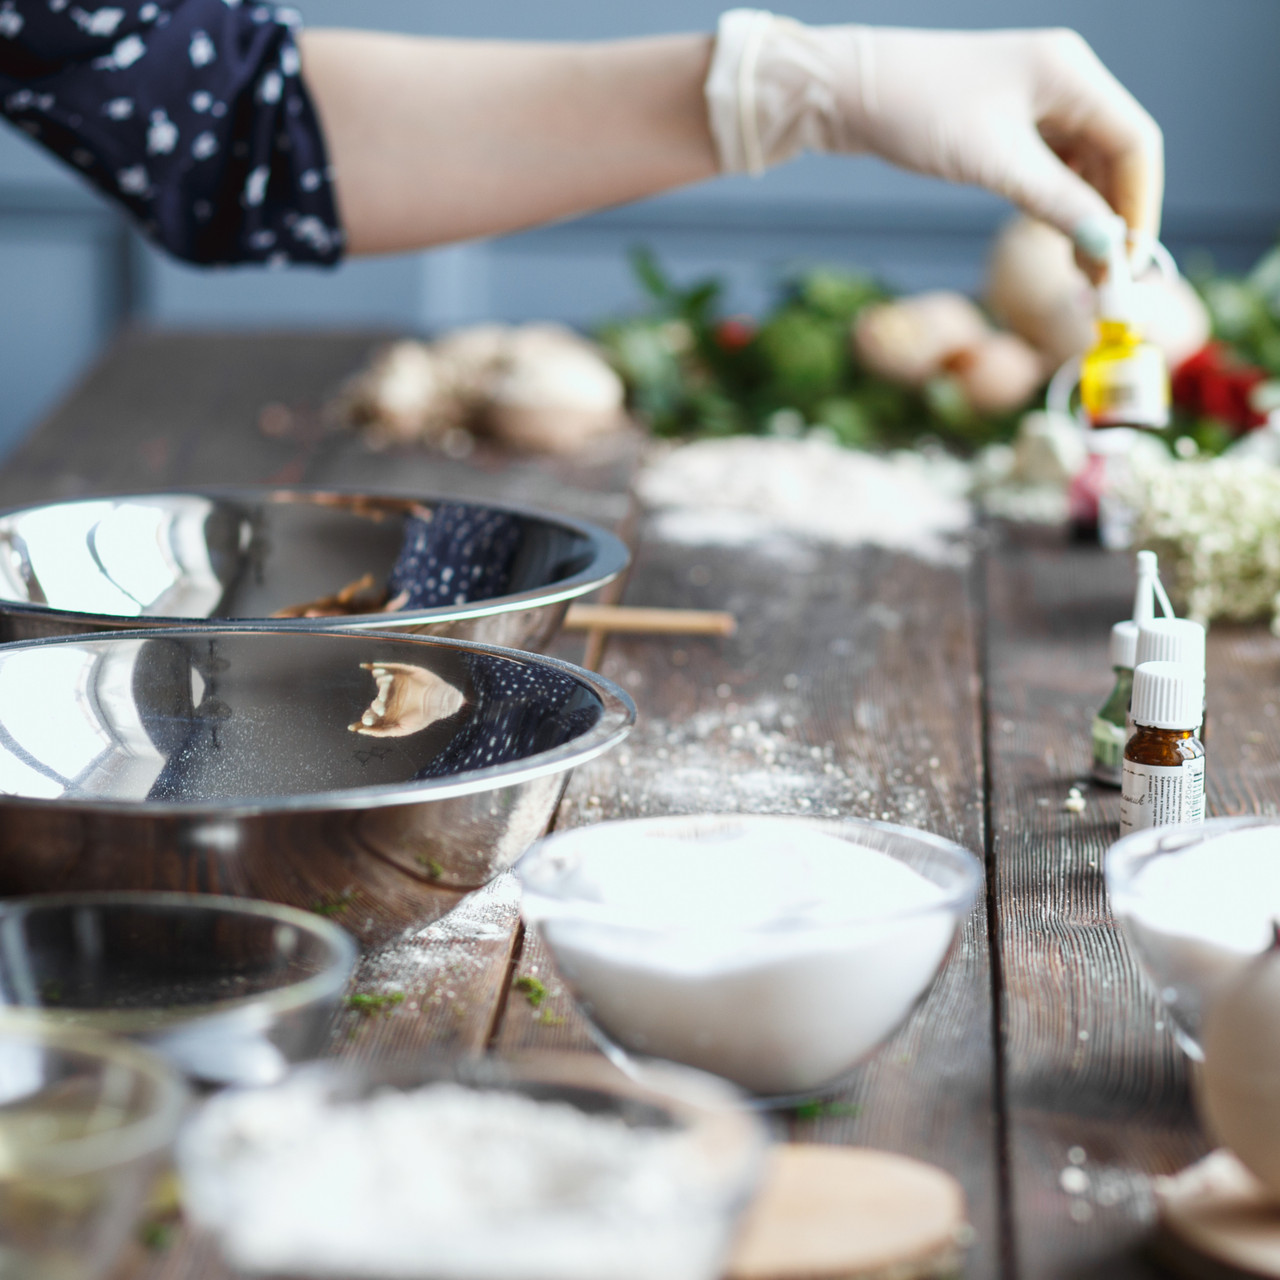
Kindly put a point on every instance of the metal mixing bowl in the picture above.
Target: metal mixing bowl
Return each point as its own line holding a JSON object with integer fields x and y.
{"x": 373, "y": 778}
{"x": 426, "y": 565}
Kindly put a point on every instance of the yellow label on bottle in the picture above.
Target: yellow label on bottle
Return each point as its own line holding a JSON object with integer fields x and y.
{"x": 1132, "y": 391}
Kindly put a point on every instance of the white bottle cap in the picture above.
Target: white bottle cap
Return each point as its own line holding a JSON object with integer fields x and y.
{"x": 1167, "y": 695}
{"x": 1171, "y": 640}
{"x": 1124, "y": 645}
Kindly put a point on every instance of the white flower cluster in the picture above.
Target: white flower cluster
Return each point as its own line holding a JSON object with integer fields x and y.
{"x": 1215, "y": 525}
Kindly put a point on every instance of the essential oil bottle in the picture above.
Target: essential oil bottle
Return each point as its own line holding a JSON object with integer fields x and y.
{"x": 1177, "y": 640}
{"x": 1124, "y": 379}
{"x": 1110, "y": 723}
{"x": 1113, "y": 725}
{"x": 1163, "y": 781}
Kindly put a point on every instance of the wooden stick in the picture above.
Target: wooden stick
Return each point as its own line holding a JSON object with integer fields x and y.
{"x": 628, "y": 531}
{"x": 630, "y": 620}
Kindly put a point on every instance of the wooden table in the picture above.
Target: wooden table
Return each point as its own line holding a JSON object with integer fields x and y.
{"x": 860, "y": 682}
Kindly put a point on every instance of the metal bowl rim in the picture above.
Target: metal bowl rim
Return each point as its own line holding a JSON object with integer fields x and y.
{"x": 329, "y": 982}
{"x": 616, "y": 720}
{"x": 609, "y": 558}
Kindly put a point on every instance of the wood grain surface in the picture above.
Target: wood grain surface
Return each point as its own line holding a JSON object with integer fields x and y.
{"x": 1093, "y": 1082}
{"x": 946, "y": 696}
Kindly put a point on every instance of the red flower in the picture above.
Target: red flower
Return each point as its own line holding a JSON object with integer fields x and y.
{"x": 1214, "y": 384}
{"x": 735, "y": 333}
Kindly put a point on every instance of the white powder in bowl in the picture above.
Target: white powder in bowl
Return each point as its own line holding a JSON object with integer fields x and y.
{"x": 776, "y": 956}
{"x": 446, "y": 1183}
{"x": 1199, "y": 915}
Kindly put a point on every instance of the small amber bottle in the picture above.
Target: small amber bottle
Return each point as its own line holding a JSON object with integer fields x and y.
{"x": 1163, "y": 777}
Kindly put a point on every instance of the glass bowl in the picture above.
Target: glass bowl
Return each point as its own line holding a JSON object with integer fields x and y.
{"x": 673, "y": 951}
{"x": 85, "y": 1124}
{"x": 229, "y": 990}
{"x": 544, "y": 1167}
{"x": 1196, "y": 904}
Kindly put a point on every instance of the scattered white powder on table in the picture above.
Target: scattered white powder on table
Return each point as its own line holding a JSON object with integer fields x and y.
{"x": 767, "y": 951}
{"x": 745, "y": 488}
{"x": 449, "y": 1183}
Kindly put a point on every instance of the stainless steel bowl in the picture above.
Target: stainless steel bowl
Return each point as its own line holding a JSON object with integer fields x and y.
{"x": 374, "y": 778}
{"x": 301, "y": 558}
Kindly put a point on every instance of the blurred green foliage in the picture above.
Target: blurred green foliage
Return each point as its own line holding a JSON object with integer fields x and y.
{"x": 693, "y": 370}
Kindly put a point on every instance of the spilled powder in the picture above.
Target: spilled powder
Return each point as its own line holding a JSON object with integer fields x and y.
{"x": 747, "y": 758}
{"x": 740, "y": 490}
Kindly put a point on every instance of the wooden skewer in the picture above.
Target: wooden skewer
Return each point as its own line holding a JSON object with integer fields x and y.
{"x": 631, "y": 620}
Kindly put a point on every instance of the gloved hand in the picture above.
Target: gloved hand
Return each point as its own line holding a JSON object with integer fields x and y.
{"x": 1031, "y": 115}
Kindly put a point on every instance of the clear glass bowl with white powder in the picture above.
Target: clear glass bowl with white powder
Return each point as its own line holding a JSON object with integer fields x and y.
{"x": 775, "y": 952}
{"x": 1196, "y": 904}
{"x": 543, "y": 1167}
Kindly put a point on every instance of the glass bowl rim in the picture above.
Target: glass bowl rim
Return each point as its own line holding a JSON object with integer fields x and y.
{"x": 958, "y": 900}
{"x": 139, "y": 1138}
{"x": 1127, "y": 857}
{"x": 331, "y": 980}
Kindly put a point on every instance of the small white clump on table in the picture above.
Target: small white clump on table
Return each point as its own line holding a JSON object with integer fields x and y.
{"x": 446, "y": 1183}
{"x": 775, "y": 955}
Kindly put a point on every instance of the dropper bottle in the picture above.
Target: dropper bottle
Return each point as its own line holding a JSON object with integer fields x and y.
{"x": 1164, "y": 760}
{"x": 1124, "y": 380}
{"x": 1177, "y": 640}
{"x": 1112, "y": 726}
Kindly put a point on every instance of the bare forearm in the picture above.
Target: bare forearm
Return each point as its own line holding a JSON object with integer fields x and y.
{"x": 439, "y": 140}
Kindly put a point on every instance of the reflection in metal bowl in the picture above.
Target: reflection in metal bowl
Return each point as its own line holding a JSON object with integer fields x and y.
{"x": 429, "y": 566}
{"x": 239, "y": 762}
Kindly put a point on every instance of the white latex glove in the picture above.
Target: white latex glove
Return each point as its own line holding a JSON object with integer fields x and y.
{"x": 1031, "y": 115}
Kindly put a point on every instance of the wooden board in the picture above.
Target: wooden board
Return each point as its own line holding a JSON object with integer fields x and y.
{"x": 851, "y": 688}
{"x": 1095, "y": 1089}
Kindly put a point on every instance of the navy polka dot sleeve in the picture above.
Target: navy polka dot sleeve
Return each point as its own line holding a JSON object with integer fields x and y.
{"x": 190, "y": 113}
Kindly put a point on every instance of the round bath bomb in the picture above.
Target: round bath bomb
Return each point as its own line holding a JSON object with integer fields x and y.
{"x": 1035, "y": 288}
{"x": 552, "y": 392}
{"x": 909, "y": 341}
{"x": 1239, "y": 1090}
{"x": 468, "y": 359}
{"x": 401, "y": 396}
{"x": 1000, "y": 374}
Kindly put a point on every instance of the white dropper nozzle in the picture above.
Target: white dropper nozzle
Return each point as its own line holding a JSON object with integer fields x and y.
{"x": 1150, "y": 590}
{"x": 1115, "y": 294}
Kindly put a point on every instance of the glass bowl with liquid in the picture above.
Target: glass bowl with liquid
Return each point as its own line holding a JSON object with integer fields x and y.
{"x": 86, "y": 1123}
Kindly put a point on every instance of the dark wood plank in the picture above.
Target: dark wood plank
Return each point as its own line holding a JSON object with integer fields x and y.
{"x": 850, "y": 688}
{"x": 187, "y": 409}
{"x": 1092, "y": 1074}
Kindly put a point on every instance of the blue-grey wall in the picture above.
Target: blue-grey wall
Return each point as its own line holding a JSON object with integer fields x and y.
{"x": 72, "y": 272}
